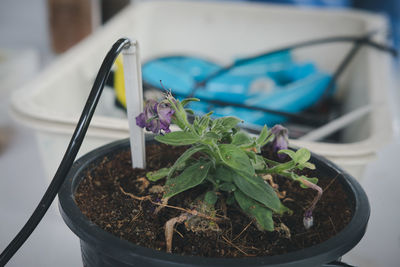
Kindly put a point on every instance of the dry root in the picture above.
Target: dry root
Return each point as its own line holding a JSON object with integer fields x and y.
{"x": 270, "y": 180}
{"x": 156, "y": 189}
{"x": 169, "y": 229}
{"x": 196, "y": 219}
{"x": 163, "y": 204}
{"x": 192, "y": 212}
{"x": 143, "y": 183}
{"x": 283, "y": 229}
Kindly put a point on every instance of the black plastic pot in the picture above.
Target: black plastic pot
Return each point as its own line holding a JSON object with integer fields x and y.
{"x": 102, "y": 249}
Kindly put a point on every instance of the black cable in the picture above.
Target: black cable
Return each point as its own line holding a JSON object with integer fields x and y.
{"x": 335, "y": 39}
{"x": 70, "y": 154}
{"x": 300, "y": 118}
{"x": 343, "y": 65}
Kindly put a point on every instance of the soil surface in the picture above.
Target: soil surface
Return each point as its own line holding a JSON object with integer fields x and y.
{"x": 111, "y": 196}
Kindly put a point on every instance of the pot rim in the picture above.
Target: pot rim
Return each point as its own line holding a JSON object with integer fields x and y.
{"x": 126, "y": 251}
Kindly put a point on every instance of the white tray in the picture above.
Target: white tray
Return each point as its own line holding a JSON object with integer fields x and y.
{"x": 219, "y": 31}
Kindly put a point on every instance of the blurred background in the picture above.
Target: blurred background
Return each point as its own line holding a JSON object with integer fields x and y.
{"x": 345, "y": 100}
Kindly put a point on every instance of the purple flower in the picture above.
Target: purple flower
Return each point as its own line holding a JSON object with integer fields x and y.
{"x": 281, "y": 139}
{"x": 308, "y": 219}
{"x": 155, "y": 117}
{"x": 165, "y": 113}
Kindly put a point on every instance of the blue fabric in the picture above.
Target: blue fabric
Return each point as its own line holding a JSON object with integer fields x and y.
{"x": 274, "y": 82}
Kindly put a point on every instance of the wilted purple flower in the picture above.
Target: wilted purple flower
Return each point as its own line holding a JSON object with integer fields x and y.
{"x": 281, "y": 139}
{"x": 155, "y": 117}
{"x": 165, "y": 113}
{"x": 308, "y": 219}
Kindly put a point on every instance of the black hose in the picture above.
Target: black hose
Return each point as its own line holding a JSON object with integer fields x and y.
{"x": 336, "y": 39}
{"x": 343, "y": 65}
{"x": 70, "y": 154}
{"x": 313, "y": 119}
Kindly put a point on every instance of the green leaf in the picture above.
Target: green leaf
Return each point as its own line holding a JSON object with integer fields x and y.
{"x": 288, "y": 152}
{"x": 185, "y": 156}
{"x": 236, "y": 158}
{"x": 179, "y": 138}
{"x": 190, "y": 177}
{"x": 258, "y": 163}
{"x": 203, "y": 124}
{"x": 204, "y": 121}
{"x": 255, "y": 187}
{"x": 251, "y": 154}
{"x": 225, "y": 123}
{"x": 271, "y": 163}
{"x": 264, "y": 137}
{"x": 228, "y": 187}
{"x": 307, "y": 165}
{"x": 210, "y": 198}
{"x": 242, "y": 138}
{"x": 212, "y": 135}
{"x": 282, "y": 167}
{"x": 224, "y": 173}
{"x": 188, "y": 100}
{"x": 254, "y": 209}
{"x": 283, "y": 209}
{"x": 230, "y": 200}
{"x": 189, "y": 111}
{"x": 157, "y": 175}
{"x": 302, "y": 156}
{"x": 209, "y": 113}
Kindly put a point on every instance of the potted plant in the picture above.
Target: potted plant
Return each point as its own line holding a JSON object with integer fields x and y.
{"x": 211, "y": 196}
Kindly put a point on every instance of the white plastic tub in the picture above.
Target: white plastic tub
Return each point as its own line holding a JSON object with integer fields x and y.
{"x": 219, "y": 31}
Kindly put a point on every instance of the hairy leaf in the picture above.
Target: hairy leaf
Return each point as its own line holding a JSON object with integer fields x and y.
{"x": 179, "y": 138}
{"x": 283, "y": 167}
{"x": 271, "y": 163}
{"x": 188, "y": 100}
{"x": 210, "y": 198}
{"x": 251, "y": 154}
{"x": 185, "y": 156}
{"x": 225, "y": 123}
{"x": 258, "y": 163}
{"x": 212, "y": 135}
{"x": 255, "y": 188}
{"x": 307, "y": 165}
{"x": 242, "y": 139}
{"x": 264, "y": 137}
{"x": 302, "y": 156}
{"x": 189, "y": 111}
{"x": 224, "y": 173}
{"x": 283, "y": 209}
{"x": 190, "y": 177}
{"x": 236, "y": 158}
{"x": 230, "y": 200}
{"x": 229, "y": 187}
{"x": 288, "y": 152}
{"x": 256, "y": 210}
{"x": 157, "y": 175}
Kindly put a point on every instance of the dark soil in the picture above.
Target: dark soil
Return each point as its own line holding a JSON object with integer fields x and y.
{"x": 101, "y": 199}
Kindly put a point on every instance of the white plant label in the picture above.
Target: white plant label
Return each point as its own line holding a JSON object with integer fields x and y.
{"x": 134, "y": 102}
